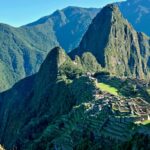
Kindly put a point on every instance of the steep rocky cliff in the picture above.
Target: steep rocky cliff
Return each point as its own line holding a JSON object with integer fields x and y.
{"x": 36, "y": 101}
{"x": 116, "y": 45}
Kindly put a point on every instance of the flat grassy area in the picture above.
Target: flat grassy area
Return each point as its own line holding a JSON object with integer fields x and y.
{"x": 146, "y": 122}
{"x": 148, "y": 90}
{"x": 107, "y": 88}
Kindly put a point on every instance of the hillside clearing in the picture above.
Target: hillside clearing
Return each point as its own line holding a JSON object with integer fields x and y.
{"x": 107, "y": 88}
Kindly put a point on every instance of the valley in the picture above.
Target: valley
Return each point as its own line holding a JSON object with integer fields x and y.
{"x": 93, "y": 95}
{"x": 79, "y": 115}
{"x": 23, "y": 49}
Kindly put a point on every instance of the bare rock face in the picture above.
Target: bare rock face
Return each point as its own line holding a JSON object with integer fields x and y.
{"x": 116, "y": 45}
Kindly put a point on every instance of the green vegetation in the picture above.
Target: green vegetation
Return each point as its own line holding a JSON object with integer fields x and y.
{"x": 117, "y": 50}
{"x": 126, "y": 87}
{"x": 89, "y": 63}
{"x": 51, "y": 93}
{"x": 70, "y": 70}
{"x": 23, "y": 49}
{"x": 57, "y": 107}
{"x": 64, "y": 112}
{"x": 101, "y": 73}
{"x": 107, "y": 88}
{"x": 146, "y": 122}
{"x": 82, "y": 89}
{"x": 148, "y": 91}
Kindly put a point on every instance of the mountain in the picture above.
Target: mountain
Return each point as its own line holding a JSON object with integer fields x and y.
{"x": 20, "y": 53}
{"x": 58, "y": 82}
{"x": 138, "y": 14}
{"x": 76, "y": 103}
{"x": 22, "y": 50}
{"x": 68, "y": 24}
{"x": 62, "y": 106}
{"x": 116, "y": 45}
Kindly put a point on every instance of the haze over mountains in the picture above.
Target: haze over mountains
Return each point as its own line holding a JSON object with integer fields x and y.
{"x": 22, "y": 50}
{"x": 62, "y": 106}
{"x": 138, "y": 14}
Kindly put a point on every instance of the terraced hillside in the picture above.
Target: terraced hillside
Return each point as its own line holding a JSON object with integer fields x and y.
{"x": 69, "y": 111}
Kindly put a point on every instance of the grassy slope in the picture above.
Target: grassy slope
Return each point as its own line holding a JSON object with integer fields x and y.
{"x": 147, "y": 122}
{"x": 107, "y": 88}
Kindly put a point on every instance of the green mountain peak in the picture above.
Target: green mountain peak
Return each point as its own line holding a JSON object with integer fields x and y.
{"x": 116, "y": 45}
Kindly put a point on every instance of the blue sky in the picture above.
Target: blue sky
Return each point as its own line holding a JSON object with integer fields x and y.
{"x": 20, "y": 12}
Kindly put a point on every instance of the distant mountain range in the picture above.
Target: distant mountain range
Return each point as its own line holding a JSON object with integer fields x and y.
{"x": 22, "y": 50}
{"x": 138, "y": 14}
{"x": 64, "y": 107}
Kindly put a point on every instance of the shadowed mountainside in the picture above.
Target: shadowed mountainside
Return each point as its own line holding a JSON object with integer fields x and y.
{"x": 22, "y": 50}
{"x": 58, "y": 82}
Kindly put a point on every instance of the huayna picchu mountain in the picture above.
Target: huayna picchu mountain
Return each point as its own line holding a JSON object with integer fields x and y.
{"x": 116, "y": 45}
